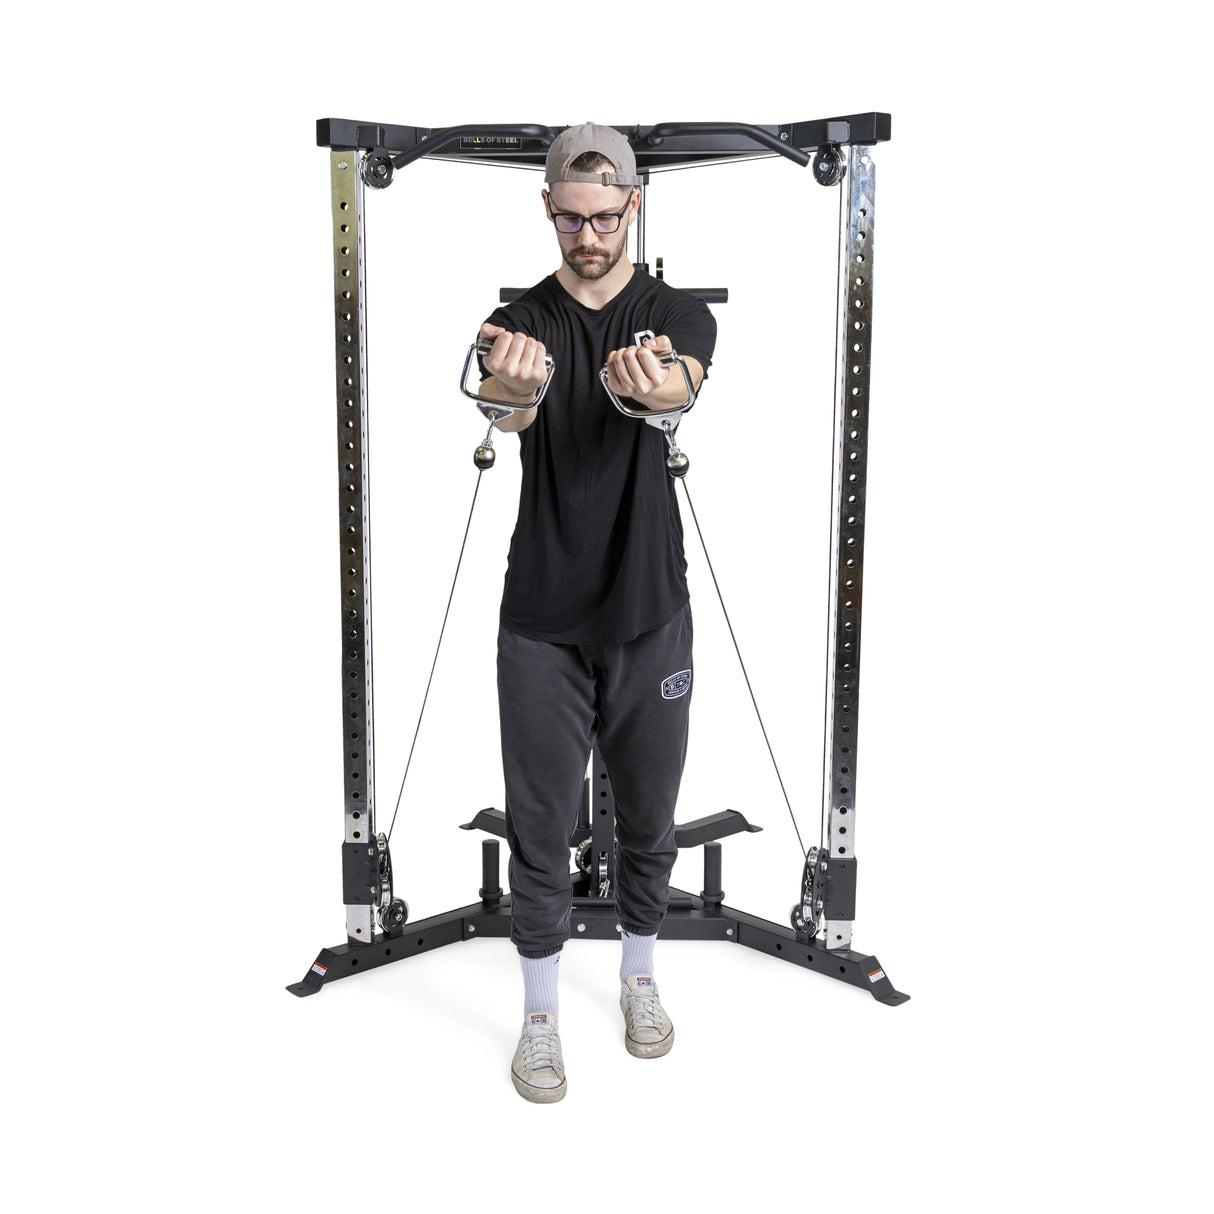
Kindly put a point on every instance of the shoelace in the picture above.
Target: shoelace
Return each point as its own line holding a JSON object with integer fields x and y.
{"x": 541, "y": 1051}
{"x": 643, "y": 1011}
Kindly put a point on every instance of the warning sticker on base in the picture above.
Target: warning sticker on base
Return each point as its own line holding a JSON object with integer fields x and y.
{"x": 317, "y": 968}
{"x": 876, "y": 976}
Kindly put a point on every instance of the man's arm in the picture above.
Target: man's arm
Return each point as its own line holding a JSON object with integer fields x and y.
{"x": 636, "y": 372}
{"x": 517, "y": 372}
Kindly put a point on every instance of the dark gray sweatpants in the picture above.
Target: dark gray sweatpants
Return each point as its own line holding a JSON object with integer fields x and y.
{"x": 556, "y": 701}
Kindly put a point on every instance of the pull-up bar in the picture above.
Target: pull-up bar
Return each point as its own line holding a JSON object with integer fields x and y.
{"x": 667, "y": 145}
{"x": 658, "y": 134}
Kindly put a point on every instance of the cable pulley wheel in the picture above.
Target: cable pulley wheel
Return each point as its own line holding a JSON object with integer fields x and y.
{"x": 377, "y": 170}
{"x": 828, "y": 165}
{"x": 394, "y": 916}
{"x": 582, "y": 855}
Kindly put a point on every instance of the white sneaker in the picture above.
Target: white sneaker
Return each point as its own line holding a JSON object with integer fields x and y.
{"x": 538, "y": 1071}
{"x": 648, "y": 1032}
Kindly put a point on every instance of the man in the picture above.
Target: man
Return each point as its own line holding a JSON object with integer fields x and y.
{"x": 595, "y": 639}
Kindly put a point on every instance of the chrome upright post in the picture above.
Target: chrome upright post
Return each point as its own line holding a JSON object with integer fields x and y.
{"x": 853, "y": 350}
{"x": 358, "y": 736}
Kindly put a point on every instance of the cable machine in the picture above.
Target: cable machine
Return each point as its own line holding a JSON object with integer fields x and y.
{"x": 819, "y": 936}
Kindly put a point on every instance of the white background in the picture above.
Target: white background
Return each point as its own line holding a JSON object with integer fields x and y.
{"x": 1035, "y": 637}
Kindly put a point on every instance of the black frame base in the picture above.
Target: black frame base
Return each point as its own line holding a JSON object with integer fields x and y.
{"x": 688, "y": 918}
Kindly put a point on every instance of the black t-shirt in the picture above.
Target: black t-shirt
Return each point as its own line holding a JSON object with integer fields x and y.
{"x": 597, "y": 552}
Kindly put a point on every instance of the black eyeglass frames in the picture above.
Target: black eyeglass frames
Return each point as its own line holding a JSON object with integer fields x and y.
{"x": 606, "y": 222}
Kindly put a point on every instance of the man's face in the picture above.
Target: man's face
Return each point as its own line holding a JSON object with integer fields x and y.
{"x": 590, "y": 254}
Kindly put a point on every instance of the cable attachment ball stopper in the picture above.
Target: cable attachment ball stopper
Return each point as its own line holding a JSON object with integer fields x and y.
{"x": 676, "y": 462}
{"x": 484, "y": 455}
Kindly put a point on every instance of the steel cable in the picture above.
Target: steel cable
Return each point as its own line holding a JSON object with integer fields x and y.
{"x": 434, "y": 664}
{"x": 745, "y": 675}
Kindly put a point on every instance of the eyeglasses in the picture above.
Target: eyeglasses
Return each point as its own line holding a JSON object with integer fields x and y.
{"x": 605, "y": 222}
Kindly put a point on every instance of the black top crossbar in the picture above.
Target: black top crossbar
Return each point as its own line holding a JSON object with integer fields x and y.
{"x": 667, "y": 145}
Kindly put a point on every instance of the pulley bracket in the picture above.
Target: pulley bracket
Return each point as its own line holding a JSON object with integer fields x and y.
{"x": 367, "y": 881}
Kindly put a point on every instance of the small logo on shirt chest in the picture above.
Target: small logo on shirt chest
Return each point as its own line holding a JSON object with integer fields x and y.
{"x": 639, "y": 339}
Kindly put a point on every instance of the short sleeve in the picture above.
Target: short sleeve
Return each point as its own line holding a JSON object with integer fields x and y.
{"x": 692, "y": 328}
{"x": 524, "y": 315}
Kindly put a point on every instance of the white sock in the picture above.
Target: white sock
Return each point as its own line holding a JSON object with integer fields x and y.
{"x": 638, "y": 955}
{"x": 539, "y": 984}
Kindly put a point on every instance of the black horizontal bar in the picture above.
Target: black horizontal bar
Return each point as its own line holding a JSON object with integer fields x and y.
{"x": 697, "y": 146}
{"x": 440, "y": 141}
{"x": 608, "y": 904}
{"x": 658, "y": 134}
{"x": 345, "y": 133}
{"x": 688, "y": 918}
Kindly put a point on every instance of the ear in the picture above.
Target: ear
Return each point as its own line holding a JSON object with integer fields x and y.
{"x": 634, "y": 205}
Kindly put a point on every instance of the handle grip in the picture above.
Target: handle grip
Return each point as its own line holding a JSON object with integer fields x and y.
{"x": 495, "y": 410}
{"x": 668, "y": 358}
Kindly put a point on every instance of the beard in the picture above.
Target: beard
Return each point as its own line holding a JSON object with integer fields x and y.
{"x": 597, "y": 269}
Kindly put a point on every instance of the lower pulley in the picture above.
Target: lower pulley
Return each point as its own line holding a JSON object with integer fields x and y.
{"x": 393, "y": 912}
{"x": 806, "y": 916}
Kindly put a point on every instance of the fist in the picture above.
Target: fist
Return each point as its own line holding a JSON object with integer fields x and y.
{"x": 635, "y": 371}
{"x": 516, "y": 360}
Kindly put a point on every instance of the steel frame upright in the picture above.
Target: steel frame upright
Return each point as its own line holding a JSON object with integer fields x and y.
{"x": 354, "y": 523}
{"x": 853, "y": 347}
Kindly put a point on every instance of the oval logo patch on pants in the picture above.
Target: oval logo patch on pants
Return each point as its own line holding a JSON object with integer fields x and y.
{"x": 676, "y": 685}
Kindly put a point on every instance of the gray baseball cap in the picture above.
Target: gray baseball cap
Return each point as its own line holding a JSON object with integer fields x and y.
{"x": 589, "y": 137}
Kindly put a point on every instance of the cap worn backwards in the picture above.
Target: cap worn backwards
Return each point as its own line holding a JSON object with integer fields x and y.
{"x": 589, "y": 137}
